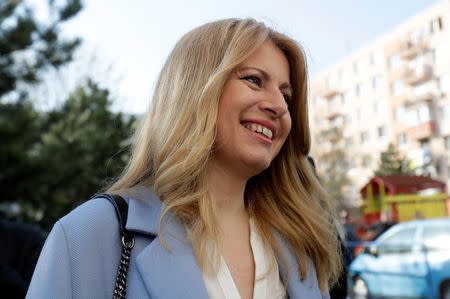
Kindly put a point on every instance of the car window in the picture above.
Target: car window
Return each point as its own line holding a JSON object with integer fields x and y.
{"x": 399, "y": 242}
{"x": 436, "y": 236}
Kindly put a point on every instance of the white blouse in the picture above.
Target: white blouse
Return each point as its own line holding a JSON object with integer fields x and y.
{"x": 267, "y": 278}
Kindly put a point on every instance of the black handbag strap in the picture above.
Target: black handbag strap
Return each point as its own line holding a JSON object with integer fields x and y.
{"x": 121, "y": 208}
{"x": 127, "y": 238}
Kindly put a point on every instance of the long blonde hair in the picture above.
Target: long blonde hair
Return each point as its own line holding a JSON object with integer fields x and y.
{"x": 173, "y": 145}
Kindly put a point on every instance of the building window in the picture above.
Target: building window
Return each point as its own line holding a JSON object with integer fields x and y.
{"x": 416, "y": 35}
{"x": 364, "y": 137}
{"x": 441, "y": 54}
{"x": 418, "y": 116}
{"x": 400, "y": 113}
{"x": 376, "y": 82}
{"x": 333, "y": 101}
{"x": 382, "y": 131}
{"x": 424, "y": 114}
{"x": 375, "y": 58}
{"x": 340, "y": 75}
{"x": 343, "y": 74}
{"x": 346, "y": 97}
{"x": 363, "y": 113}
{"x": 445, "y": 111}
{"x": 349, "y": 141}
{"x": 401, "y": 139}
{"x": 318, "y": 121}
{"x": 318, "y": 100}
{"x": 444, "y": 83}
{"x": 357, "y": 66}
{"x": 412, "y": 118}
{"x": 436, "y": 25}
{"x": 397, "y": 87}
{"x": 381, "y": 107}
{"x": 347, "y": 120}
{"x": 447, "y": 142}
{"x": 330, "y": 82}
{"x": 394, "y": 62}
{"x": 425, "y": 144}
{"x": 360, "y": 89}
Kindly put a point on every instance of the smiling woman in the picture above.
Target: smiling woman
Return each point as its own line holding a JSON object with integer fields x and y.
{"x": 220, "y": 193}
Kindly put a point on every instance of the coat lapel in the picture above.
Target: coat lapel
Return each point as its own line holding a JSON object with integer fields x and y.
{"x": 165, "y": 274}
{"x": 297, "y": 288}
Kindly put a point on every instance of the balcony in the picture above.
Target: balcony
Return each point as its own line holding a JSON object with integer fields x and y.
{"x": 414, "y": 99}
{"x": 410, "y": 49}
{"x": 328, "y": 90}
{"x": 418, "y": 74}
{"x": 335, "y": 111}
{"x": 422, "y": 93}
{"x": 424, "y": 130}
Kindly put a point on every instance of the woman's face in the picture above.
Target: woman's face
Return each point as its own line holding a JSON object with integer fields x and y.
{"x": 253, "y": 119}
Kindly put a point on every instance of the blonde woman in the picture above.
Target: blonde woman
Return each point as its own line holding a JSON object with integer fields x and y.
{"x": 219, "y": 189}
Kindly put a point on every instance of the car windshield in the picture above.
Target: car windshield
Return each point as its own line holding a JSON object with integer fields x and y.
{"x": 397, "y": 242}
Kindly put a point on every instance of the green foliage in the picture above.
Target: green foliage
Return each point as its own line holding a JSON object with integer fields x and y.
{"x": 334, "y": 165}
{"x": 28, "y": 46}
{"x": 53, "y": 161}
{"x": 67, "y": 155}
{"x": 393, "y": 164}
{"x": 20, "y": 128}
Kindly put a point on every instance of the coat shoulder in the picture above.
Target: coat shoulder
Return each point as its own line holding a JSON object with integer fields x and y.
{"x": 81, "y": 252}
{"x": 92, "y": 217}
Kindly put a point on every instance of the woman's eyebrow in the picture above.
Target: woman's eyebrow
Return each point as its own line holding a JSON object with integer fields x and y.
{"x": 287, "y": 87}
{"x": 266, "y": 76}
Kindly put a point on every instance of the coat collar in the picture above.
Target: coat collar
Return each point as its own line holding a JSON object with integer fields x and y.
{"x": 176, "y": 274}
{"x": 144, "y": 209}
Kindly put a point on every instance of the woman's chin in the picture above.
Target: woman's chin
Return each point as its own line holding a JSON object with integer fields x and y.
{"x": 256, "y": 167}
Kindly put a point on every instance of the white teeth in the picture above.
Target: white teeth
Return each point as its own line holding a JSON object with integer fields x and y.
{"x": 267, "y": 132}
{"x": 260, "y": 129}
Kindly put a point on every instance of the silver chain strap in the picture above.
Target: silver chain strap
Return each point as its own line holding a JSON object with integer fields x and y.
{"x": 120, "y": 290}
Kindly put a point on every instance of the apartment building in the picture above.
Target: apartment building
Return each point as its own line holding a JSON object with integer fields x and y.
{"x": 393, "y": 90}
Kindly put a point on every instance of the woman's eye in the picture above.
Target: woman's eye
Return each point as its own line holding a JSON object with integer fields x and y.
{"x": 253, "y": 79}
{"x": 287, "y": 98}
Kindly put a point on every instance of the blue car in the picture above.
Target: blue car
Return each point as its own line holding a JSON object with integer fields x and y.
{"x": 409, "y": 260}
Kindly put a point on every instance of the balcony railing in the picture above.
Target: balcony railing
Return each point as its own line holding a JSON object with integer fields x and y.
{"x": 335, "y": 111}
{"x": 418, "y": 74}
{"x": 419, "y": 98}
{"x": 410, "y": 49}
{"x": 421, "y": 131}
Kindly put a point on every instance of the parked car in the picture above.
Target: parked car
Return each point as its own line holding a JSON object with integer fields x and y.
{"x": 409, "y": 260}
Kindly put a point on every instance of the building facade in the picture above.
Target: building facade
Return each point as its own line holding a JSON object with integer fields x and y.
{"x": 394, "y": 90}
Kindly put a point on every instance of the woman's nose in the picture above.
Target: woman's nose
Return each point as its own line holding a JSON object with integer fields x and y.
{"x": 274, "y": 104}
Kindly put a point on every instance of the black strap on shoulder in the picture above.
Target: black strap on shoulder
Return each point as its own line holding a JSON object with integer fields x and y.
{"x": 127, "y": 238}
{"x": 121, "y": 208}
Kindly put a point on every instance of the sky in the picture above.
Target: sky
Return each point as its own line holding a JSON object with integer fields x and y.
{"x": 126, "y": 42}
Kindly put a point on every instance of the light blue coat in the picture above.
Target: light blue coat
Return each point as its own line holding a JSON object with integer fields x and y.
{"x": 82, "y": 252}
